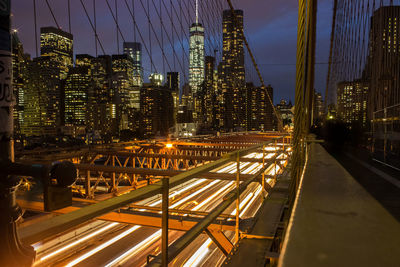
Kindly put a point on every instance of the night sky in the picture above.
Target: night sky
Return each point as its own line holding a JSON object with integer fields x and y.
{"x": 270, "y": 26}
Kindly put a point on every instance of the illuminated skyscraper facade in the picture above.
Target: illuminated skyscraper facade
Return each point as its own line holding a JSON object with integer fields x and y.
{"x": 156, "y": 106}
{"x": 59, "y": 45}
{"x": 76, "y": 89}
{"x": 383, "y": 66}
{"x": 259, "y": 110}
{"x": 196, "y": 64}
{"x": 124, "y": 94}
{"x": 134, "y": 50}
{"x": 232, "y": 69}
{"x": 352, "y": 102}
{"x": 196, "y": 57}
{"x": 19, "y": 63}
{"x": 42, "y": 97}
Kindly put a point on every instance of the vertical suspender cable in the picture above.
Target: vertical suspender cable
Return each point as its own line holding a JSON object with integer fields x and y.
{"x": 35, "y": 24}
{"x": 330, "y": 54}
{"x": 134, "y": 21}
{"x": 69, "y": 16}
{"x": 52, "y": 14}
{"x": 310, "y": 62}
{"x": 148, "y": 23}
{"x": 172, "y": 33}
{"x": 162, "y": 38}
{"x": 95, "y": 26}
{"x": 116, "y": 22}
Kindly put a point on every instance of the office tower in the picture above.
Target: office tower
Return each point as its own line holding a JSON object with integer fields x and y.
{"x": 101, "y": 112}
{"x": 76, "y": 89}
{"x": 42, "y": 97}
{"x": 383, "y": 66}
{"x": 173, "y": 81}
{"x": 196, "y": 62}
{"x": 156, "y": 107}
{"x": 57, "y": 44}
{"x": 232, "y": 69}
{"x": 209, "y": 110}
{"x": 352, "y": 102}
{"x": 84, "y": 60}
{"x": 318, "y": 107}
{"x": 124, "y": 93}
{"x": 156, "y": 79}
{"x": 259, "y": 110}
{"x": 134, "y": 50}
{"x": 19, "y": 63}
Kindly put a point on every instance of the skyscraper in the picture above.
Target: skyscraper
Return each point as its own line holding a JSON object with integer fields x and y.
{"x": 259, "y": 111}
{"x": 173, "y": 81}
{"x": 196, "y": 60}
{"x": 101, "y": 112}
{"x": 124, "y": 93}
{"x": 42, "y": 97}
{"x": 76, "y": 89}
{"x": 352, "y": 102}
{"x": 57, "y": 44}
{"x": 209, "y": 94}
{"x": 134, "y": 50}
{"x": 232, "y": 69}
{"x": 19, "y": 63}
{"x": 156, "y": 106}
{"x": 383, "y": 66}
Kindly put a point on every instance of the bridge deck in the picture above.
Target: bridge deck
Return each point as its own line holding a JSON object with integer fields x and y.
{"x": 336, "y": 222}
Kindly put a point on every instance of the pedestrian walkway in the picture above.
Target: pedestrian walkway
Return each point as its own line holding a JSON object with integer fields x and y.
{"x": 336, "y": 222}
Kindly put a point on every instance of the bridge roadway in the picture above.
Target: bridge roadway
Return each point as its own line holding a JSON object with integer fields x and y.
{"x": 100, "y": 242}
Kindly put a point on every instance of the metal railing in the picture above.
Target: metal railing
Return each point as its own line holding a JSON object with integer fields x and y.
{"x": 169, "y": 253}
{"x": 386, "y": 136}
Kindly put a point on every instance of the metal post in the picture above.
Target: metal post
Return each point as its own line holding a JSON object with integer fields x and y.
{"x": 263, "y": 165}
{"x": 12, "y": 252}
{"x": 164, "y": 231}
{"x": 238, "y": 197}
{"x": 113, "y": 189}
{"x": 87, "y": 185}
{"x": 276, "y": 145}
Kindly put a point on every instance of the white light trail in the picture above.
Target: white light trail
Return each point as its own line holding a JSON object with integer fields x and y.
{"x": 136, "y": 249}
{"x": 177, "y": 192}
{"x": 199, "y": 255}
{"x": 256, "y": 194}
{"x": 242, "y": 203}
{"x": 194, "y": 194}
{"x": 213, "y": 196}
{"x": 52, "y": 254}
{"x": 102, "y": 246}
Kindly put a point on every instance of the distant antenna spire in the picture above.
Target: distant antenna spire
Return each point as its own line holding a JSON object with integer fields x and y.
{"x": 197, "y": 12}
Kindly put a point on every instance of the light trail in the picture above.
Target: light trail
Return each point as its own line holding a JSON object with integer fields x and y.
{"x": 102, "y": 246}
{"x": 177, "y": 192}
{"x": 194, "y": 194}
{"x": 199, "y": 206}
{"x": 135, "y": 250}
{"x": 256, "y": 194}
{"x": 52, "y": 254}
{"x": 199, "y": 255}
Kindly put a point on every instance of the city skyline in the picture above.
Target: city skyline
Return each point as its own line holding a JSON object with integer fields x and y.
{"x": 276, "y": 67}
